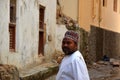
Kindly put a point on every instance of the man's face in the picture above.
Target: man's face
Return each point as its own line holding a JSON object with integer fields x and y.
{"x": 68, "y": 46}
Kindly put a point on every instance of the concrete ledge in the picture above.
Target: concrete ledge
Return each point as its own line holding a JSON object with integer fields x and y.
{"x": 40, "y": 72}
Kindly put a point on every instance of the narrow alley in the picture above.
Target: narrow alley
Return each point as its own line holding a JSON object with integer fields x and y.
{"x": 32, "y": 31}
{"x": 104, "y": 71}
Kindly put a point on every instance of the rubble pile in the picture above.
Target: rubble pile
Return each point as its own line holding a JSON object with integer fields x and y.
{"x": 105, "y": 70}
{"x": 8, "y": 72}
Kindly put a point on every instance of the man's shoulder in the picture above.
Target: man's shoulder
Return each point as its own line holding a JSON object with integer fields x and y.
{"x": 76, "y": 56}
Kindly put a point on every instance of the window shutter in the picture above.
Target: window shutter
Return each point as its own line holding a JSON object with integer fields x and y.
{"x": 12, "y": 37}
{"x": 115, "y": 5}
{"x": 12, "y": 26}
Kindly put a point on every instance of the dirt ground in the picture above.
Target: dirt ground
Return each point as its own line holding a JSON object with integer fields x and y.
{"x": 103, "y": 70}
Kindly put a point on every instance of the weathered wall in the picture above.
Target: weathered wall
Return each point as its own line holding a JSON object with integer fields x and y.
{"x": 70, "y": 8}
{"x": 60, "y": 31}
{"x": 83, "y": 45}
{"x": 92, "y": 44}
{"x": 95, "y": 44}
{"x": 103, "y": 42}
{"x": 27, "y": 31}
{"x": 111, "y": 44}
{"x": 27, "y": 27}
{"x": 4, "y": 20}
{"x": 50, "y": 20}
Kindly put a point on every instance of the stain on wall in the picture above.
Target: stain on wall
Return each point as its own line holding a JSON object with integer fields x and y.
{"x": 103, "y": 42}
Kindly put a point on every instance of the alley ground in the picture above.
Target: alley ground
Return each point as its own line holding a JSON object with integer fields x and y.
{"x": 104, "y": 70}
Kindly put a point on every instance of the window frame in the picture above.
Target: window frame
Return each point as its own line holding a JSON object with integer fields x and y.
{"x": 104, "y": 3}
{"x": 115, "y": 5}
{"x": 12, "y": 37}
{"x": 12, "y": 26}
{"x": 42, "y": 27}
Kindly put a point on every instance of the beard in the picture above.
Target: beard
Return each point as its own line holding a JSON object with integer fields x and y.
{"x": 67, "y": 51}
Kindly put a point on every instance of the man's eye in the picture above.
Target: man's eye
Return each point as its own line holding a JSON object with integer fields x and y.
{"x": 63, "y": 42}
{"x": 67, "y": 42}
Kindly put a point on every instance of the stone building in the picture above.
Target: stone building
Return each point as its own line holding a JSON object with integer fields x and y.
{"x": 101, "y": 19}
{"x": 29, "y": 34}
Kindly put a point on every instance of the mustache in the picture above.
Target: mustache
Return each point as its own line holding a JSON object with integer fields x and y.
{"x": 65, "y": 48}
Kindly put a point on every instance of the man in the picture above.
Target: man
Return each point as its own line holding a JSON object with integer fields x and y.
{"x": 73, "y": 66}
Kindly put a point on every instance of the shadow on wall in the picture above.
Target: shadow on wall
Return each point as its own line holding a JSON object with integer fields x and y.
{"x": 103, "y": 42}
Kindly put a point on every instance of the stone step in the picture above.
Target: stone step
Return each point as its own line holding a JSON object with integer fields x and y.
{"x": 40, "y": 72}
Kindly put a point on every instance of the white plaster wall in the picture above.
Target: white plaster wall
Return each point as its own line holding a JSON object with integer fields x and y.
{"x": 4, "y": 20}
{"x": 27, "y": 28}
{"x": 50, "y": 20}
{"x": 27, "y": 31}
{"x": 60, "y": 31}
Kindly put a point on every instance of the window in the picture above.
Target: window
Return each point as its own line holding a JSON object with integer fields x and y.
{"x": 12, "y": 25}
{"x": 104, "y": 3}
{"x": 41, "y": 17}
{"x": 13, "y": 11}
{"x": 12, "y": 37}
{"x": 115, "y": 5}
{"x": 41, "y": 30}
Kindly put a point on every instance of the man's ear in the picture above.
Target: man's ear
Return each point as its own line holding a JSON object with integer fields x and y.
{"x": 76, "y": 45}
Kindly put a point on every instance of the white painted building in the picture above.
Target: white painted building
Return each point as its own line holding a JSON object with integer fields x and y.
{"x": 28, "y": 31}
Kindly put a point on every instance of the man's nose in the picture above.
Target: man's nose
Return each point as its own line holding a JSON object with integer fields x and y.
{"x": 65, "y": 44}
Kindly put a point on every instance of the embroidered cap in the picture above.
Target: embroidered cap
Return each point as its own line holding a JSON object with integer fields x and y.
{"x": 72, "y": 35}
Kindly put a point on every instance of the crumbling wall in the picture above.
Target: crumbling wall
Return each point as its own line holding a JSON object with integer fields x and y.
{"x": 84, "y": 48}
{"x": 8, "y": 72}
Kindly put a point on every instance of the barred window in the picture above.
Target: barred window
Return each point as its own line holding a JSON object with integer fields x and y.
{"x": 41, "y": 30}
{"x": 12, "y": 25}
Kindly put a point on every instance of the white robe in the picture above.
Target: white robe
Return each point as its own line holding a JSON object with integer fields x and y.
{"x": 73, "y": 67}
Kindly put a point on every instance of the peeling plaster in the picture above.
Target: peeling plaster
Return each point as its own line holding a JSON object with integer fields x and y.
{"x": 27, "y": 26}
